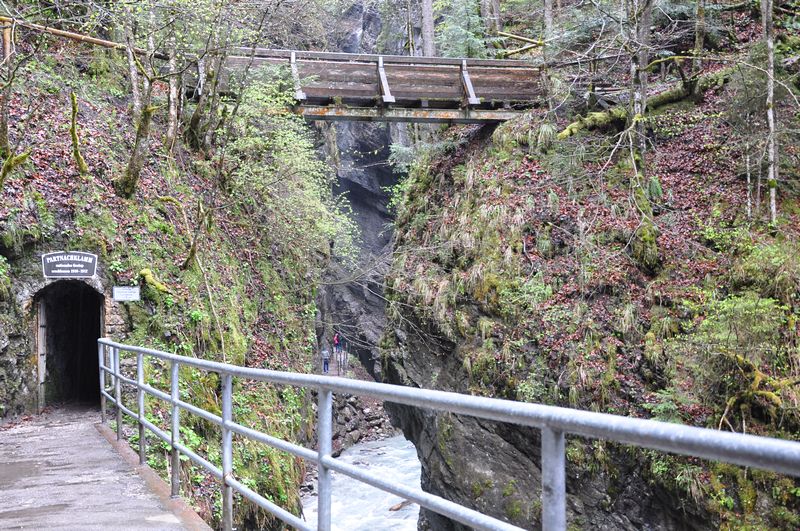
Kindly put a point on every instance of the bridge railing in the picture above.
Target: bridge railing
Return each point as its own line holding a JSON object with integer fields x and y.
{"x": 554, "y": 422}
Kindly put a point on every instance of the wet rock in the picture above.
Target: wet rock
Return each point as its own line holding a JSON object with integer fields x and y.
{"x": 495, "y": 467}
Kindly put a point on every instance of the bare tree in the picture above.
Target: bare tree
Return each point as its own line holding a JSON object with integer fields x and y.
{"x": 767, "y": 9}
{"x": 151, "y": 43}
{"x": 547, "y": 35}
{"x": 699, "y": 35}
{"x": 490, "y": 13}
{"x": 126, "y": 185}
{"x": 5, "y": 147}
{"x": 640, "y": 18}
{"x": 428, "y": 39}
{"x": 174, "y": 94}
{"x": 133, "y": 70}
{"x": 548, "y": 20}
{"x": 10, "y": 159}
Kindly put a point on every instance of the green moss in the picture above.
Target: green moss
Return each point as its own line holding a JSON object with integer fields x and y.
{"x": 595, "y": 120}
{"x": 483, "y": 366}
{"x": 5, "y": 278}
{"x": 154, "y": 290}
{"x": 480, "y": 487}
{"x": 510, "y": 488}
{"x": 667, "y": 97}
{"x": 444, "y": 435}
{"x": 73, "y": 131}
{"x": 513, "y": 509}
{"x": 662, "y": 324}
{"x": 773, "y": 269}
{"x": 747, "y": 493}
{"x": 11, "y": 163}
{"x": 17, "y": 232}
{"x": 97, "y": 225}
{"x": 644, "y": 246}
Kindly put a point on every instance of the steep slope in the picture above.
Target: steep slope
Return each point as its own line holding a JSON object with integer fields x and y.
{"x": 225, "y": 273}
{"x": 534, "y": 274}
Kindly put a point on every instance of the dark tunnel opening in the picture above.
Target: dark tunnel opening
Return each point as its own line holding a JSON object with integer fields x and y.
{"x": 71, "y": 325}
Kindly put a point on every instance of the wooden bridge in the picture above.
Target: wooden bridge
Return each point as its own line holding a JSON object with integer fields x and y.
{"x": 389, "y": 88}
{"x": 393, "y": 88}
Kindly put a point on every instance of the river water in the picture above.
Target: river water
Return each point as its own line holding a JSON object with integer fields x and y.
{"x": 359, "y": 507}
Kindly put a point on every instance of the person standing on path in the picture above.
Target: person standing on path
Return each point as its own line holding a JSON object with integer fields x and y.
{"x": 337, "y": 343}
{"x": 326, "y": 358}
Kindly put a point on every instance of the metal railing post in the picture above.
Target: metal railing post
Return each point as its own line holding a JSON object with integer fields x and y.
{"x": 324, "y": 436}
{"x": 117, "y": 391}
{"x": 227, "y": 452}
{"x": 176, "y": 431}
{"x": 101, "y": 360}
{"x": 554, "y": 490}
{"x": 140, "y": 398}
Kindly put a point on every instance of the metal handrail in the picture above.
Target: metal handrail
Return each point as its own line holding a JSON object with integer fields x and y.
{"x": 554, "y": 422}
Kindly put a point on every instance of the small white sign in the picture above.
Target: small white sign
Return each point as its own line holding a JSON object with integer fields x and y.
{"x": 126, "y": 293}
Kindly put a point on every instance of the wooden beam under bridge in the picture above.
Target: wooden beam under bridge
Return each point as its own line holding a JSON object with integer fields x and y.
{"x": 383, "y": 114}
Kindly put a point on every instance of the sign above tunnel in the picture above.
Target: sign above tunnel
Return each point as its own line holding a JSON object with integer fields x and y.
{"x": 72, "y": 264}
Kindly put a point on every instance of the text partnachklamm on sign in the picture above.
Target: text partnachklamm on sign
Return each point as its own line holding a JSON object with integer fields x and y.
{"x": 73, "y": 264}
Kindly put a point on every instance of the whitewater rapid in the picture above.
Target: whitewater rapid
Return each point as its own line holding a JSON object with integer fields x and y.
{"x": 359, "y": 507}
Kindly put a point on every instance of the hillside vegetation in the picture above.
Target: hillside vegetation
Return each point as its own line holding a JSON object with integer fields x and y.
{"x": 613, "y": 260}
{"x": 229, "y": 245}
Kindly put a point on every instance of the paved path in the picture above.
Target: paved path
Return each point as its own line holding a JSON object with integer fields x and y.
{"x": 57, "y": 471}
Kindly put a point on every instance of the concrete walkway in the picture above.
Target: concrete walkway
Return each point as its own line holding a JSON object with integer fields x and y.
{"x": 58, "y": 471}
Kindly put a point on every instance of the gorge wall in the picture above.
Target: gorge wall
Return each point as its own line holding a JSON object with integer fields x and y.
{"x": 352, "y": 299}
{"x": 520, "y": 274}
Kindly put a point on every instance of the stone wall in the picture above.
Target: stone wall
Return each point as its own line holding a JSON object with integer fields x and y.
{"x": 357, "y": 419}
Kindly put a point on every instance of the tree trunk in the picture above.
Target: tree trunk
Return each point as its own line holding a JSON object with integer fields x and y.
{"x": 548, "y": 20}
{"x": 214, "y": 120}
{"x": 126, "y": 186}
{"x": 428, "y": 37}
{"x": 5, "y": 96}
{"x": 5, "y": 146}
{"x": 193, "y": 133}
{"x": 151, "y": 45}
{"x": 772, "y": 149}
{"x": 133, "y": 70}
{"x": 83, "y": 169}
{"x": 490, "y": 13}
{"x": 759, "y": 183}
{"x": 699, "y": 35}
{"x": 640, "y": 17}
{"x": 749, "y": 186}
{"x": 174, "y": 96}
{"x": 547, "y": 34}
{"x": 10, "y": 164}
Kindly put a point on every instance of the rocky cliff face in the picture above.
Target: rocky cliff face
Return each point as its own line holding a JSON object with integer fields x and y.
{"x": 496, "y": 468}
{"x": 353, "y": 298}
{"x": 517, "y": 275}
{"x": 352, "y": 302}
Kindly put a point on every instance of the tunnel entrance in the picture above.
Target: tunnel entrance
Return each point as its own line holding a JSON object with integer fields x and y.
{"x": 70, "y": 315}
